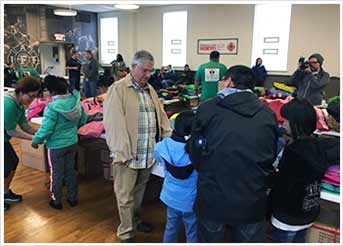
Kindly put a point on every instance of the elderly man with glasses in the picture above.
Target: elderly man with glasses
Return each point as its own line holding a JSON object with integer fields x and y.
{"x": 311, "y": 80}
{"x": 134, "y": 121}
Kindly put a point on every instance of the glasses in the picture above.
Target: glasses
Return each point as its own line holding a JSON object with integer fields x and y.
{"x": 314, "y": 62}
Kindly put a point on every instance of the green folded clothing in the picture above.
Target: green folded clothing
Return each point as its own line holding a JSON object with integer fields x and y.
{"x": 330, "y": 188}
{"x": 333, "y": 99}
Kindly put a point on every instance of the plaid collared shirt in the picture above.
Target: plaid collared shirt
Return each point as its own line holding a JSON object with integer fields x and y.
{"x": 146, "y": 129}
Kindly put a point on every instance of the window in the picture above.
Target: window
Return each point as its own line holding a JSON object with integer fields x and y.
{"x": 108, "y": 39}
{"x": 271, "y": 33}
{"x": 174, "y": 38}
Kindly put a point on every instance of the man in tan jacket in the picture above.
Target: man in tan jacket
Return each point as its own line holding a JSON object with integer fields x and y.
{"x": 134, "y": 121}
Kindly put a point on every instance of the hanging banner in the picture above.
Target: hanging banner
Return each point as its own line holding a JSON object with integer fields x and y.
{"x": 225, "y": 46}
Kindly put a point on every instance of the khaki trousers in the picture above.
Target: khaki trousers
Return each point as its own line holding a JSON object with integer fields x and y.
{"x": 129, "y": 186}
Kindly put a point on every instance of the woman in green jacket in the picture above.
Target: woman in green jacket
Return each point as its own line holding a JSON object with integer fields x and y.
{"x": 14, "y": 115}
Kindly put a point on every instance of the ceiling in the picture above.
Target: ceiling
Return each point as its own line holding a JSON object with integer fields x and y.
{"x": 99, "y": 8}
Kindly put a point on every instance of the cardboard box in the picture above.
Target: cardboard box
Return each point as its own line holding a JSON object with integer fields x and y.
{"x": 319, "y": 233}
{"x": 34, "y": 158}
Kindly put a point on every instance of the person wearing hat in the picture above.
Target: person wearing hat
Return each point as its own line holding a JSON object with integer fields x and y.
{"x": 311, "y": 80}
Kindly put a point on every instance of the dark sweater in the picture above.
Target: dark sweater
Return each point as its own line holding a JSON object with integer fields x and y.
{"x": 296, "y": 192}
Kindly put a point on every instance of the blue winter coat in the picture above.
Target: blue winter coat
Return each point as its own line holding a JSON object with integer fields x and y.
{"x": 176, "y": 193}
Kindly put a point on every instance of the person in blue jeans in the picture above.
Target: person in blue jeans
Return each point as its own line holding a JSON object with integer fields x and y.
{"x": 179, "y": 187}
{"x": 90, "y": 70}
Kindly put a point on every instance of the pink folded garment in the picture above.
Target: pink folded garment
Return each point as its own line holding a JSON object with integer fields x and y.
{"x": 92, "y": 129}
{"x": 321, "y": 122}
{"x": 334, "y": 169}
{"x": 92, "y": 109}
{"x": 37, "y": 107}
{"x": 333, "y": 178}
{"x": 333, "y": 174}
{"x": 324, "y": 180}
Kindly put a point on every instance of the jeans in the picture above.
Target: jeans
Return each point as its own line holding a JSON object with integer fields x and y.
{"x": 213, "y": 232}
{"x": 74, "y": 83}
{"x": 62, "y": 169}
{"x": 174, "y": 220}
{"x": 90, "y": 88}
{"x": 281, "y": 236}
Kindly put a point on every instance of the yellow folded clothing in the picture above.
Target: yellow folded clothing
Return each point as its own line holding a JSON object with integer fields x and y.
{"x": 283, "y": 87}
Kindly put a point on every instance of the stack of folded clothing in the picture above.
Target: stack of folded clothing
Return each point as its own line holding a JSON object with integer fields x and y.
{"x": 331, "y": 180}
{"x": 168, "y": 93}
{"x": 275, "y": 93}
{"x": 284, "y": 87}
{"x": 186, "y": 91}
{"x": 280, "y": 91}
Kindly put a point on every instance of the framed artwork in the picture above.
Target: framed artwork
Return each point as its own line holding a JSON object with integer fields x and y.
{"x": 225, "y": 46}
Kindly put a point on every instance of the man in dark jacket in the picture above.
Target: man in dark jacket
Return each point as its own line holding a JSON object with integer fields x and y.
{"x": 233, "y": 145}
{"x": 311, "y": 81}
{"x": 91, "y": 72}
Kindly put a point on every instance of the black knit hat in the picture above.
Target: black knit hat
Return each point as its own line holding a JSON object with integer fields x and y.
{"x": 319, "y": 57}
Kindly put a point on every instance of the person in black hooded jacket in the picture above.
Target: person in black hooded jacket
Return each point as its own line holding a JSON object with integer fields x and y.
{"x": 233, "y": 146}
{"x": 306, "y": 158}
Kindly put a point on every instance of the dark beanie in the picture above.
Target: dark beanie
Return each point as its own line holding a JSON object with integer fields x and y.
{"x": 319, "y": 57}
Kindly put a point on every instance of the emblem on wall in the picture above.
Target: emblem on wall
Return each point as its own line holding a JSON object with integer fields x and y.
{"x": 19, "y": 48}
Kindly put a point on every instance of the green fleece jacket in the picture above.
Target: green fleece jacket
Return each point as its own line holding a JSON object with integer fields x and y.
{"x": 62, "y": 118}
{"x": 14, "y": 114}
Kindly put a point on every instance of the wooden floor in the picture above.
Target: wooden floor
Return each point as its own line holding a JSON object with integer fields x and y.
{"x": 94, "y": 221}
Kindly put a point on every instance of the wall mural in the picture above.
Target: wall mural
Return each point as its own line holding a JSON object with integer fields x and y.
{"x": 81, "y": 42}
{"x": 80, "y": 33}
{"x": 23, "y": 50}
{"x": 18, "y": 46}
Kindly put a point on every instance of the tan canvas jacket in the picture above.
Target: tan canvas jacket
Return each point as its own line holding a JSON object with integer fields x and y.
{"x": 121, "y": 110}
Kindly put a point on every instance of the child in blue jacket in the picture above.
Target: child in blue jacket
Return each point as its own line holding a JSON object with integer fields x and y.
{"x": 179, "y": 187}
{"x": 62, "y": 118}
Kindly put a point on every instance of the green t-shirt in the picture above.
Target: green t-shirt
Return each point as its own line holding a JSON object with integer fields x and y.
{"x": 14, "y": 114}
{"x": 208, "y": 74}
{"x": 30, "y": 71}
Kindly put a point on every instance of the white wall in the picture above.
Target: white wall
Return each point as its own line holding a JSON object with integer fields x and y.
{"x": 126, "y": 33}
{"x": 204, "y": 21}
{"x": 314, "y": 28}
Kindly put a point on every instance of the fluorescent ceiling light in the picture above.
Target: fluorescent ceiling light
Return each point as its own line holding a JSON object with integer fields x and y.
{"x": 65, "y": 12}
{"x": 126, "y": 6}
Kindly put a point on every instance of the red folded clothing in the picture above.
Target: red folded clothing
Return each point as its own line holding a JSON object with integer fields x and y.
{"x": 324, "y": 180}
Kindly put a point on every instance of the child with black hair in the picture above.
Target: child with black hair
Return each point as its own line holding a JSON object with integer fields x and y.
{"x": 179, "y": 187}
{"x": 296, "y": 192}
{"x": 62, "y": 118}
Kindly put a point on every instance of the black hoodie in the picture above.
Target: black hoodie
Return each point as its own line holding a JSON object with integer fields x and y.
{"x": 233, "y": 145}
{"x": 296, "y": 194}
